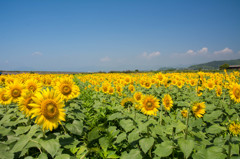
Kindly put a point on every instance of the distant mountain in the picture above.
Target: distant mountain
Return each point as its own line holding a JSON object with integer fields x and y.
{"x": 214, "y": 64}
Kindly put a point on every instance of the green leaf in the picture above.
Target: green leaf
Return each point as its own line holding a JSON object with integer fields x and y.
{"x": 104, "y": 143}
{"x": 215, "y": 152}
{"x": 164, "y": 149}
{"x": 76, "y": 127}
{"x": 215, "y": 129}
{"x": 146, "y": 144}
{"x": 180, "y": 127}
{"x": 186, "y": 146}
{"x": 22, "y": 129}
{"x": 24, "y": 139}
{"x": 133, "y": 154}
{"x": 133, "y": 136}
{"x": 43, "y": 156}
{"x": 93, "y": 134}
{"x": 112, "y": 154}
{"x": 4, "y": 131}
{"x": 213, "y": 116}
{"x": 127, "y": 125}
{"x": 63, "y": 156}
{"x": 121, "y": 137}
{"x": 51, "y": 146}
{"x": 115, "y": 116}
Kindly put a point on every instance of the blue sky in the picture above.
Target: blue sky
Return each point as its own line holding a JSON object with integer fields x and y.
{"x": 94, "y": 35}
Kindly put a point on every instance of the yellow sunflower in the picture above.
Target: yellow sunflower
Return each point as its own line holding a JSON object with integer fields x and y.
{"x": 184, "y": 113}
{"x": 219, "y": 91}
{"x": 111, "y": 90}
{"x": 131, "y": 88}
{"x": 14, "y": 90}
{"x": 234, "y": 128}
{"x": 127, "y": 102}
{"x": 48, "y": 109}
{"x": 5, "y": 99}
{"x": 167, "y": 102}
{"x": 198, "y": 109}
{"x": 33, "y": 85}
{"x": 67, "y": 88}
{"x": 235, "y": 92}
{"x": 138, "y": 96}
{"x": 150, "y": 105}
{"x": 24, "y": 102}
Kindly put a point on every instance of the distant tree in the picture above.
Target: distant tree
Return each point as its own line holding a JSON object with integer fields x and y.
{"x": 224, "y": 66}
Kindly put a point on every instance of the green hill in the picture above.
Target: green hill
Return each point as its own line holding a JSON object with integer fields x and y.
{"x": 214, "y": 64}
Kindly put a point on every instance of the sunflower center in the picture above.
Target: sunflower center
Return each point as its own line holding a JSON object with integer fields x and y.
{"x": 66, "y": 90}
{"x": 50, "y": 110}
{"x": 32, "y": 88}
{"x": 16, "y": 93}
{"x": 149, "y": 105}
{"x": 138, "y": 97}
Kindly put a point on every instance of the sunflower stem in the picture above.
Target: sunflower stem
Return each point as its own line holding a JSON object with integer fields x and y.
{"x": 187, "y": 119}
{"x": 229, "y": 146}
{"x": 161, "y": 115}
{"x": 29, "y": 121}
{"x": 65, "y": 132}
{"x": 44, "y": 134}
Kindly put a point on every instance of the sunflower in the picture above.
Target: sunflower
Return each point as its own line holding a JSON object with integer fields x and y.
{"x": 131, "y": 88}
{"x": 219, "y": 91}
{"x": 235, "y": 92}
{"x": 14, "y": 90}
{"x": 167, "y": 102}
{"x": 210, "y": 84}
{"x": 234, "y": 128}
{"x": 33, "y": 85}
{"x": 147, "y": 84}
{"x": 150, "y": 105}
{"x": 5, "y": 99}
{"x": 111, "y": 90}
{"x": 127, "y": 102}
{"x": 198, "y": 109}
{"x": 199, "y": 91}
{"x": 67, "y": 88}
{"x": 47, "y": 107}
{"x": 24, "y": 102}
{"x": 184, "y": 113}
{"x": 138, "y": 96}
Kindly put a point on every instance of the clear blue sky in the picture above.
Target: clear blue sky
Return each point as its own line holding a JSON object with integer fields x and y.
{"x": 103, "y": 35}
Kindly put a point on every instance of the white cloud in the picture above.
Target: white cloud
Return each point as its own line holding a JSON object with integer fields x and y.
{"x": 190, "y": 52}
{"x": 150, "y": 55}
{"x": 37, "y": 53}
{"x": 105, "y": 59}
{"x": 203, "y": 50}
{"x": 238, "y": 52}
{"x": 225, "y": 51}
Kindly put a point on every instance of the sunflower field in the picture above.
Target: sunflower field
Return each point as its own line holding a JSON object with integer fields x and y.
{"x": 117, "y": 115}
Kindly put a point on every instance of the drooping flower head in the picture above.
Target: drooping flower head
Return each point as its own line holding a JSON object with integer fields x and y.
{"x": 48, "y": 108}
